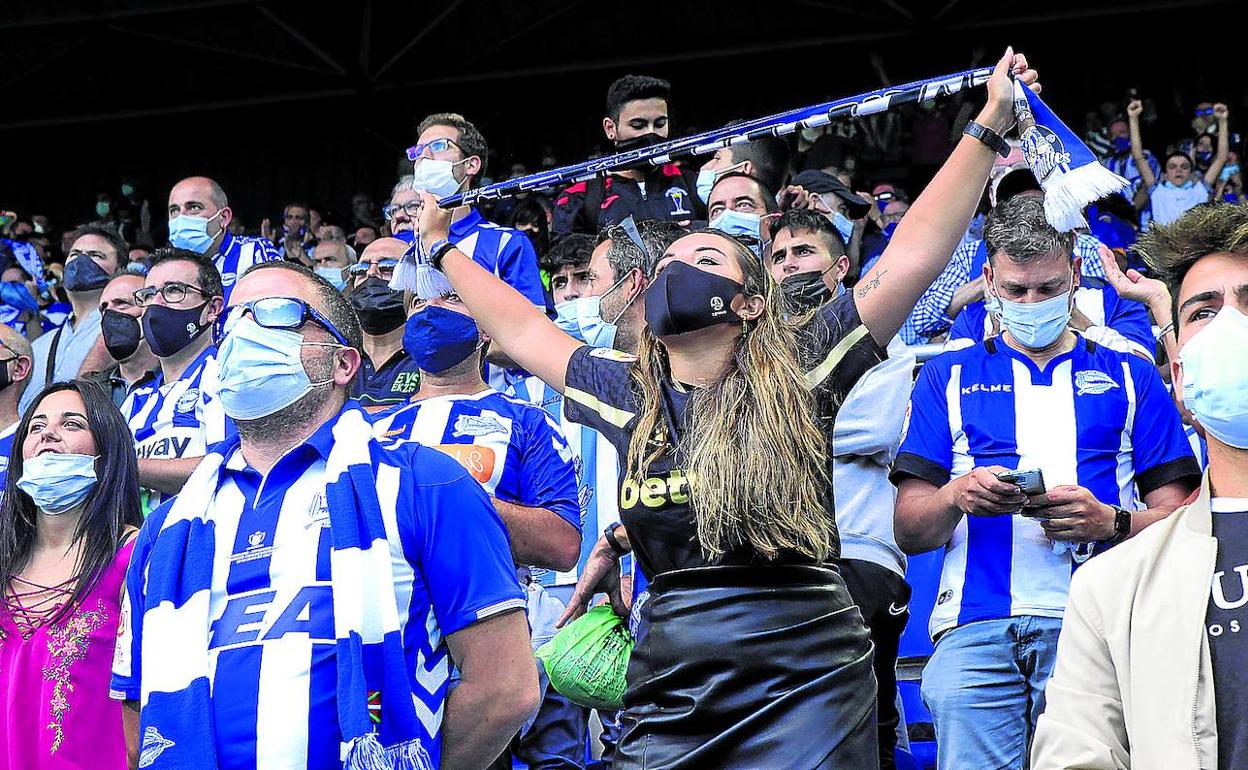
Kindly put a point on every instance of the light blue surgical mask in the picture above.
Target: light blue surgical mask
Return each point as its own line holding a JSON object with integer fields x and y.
{"x": 261, "y": 370}
{"x": 57, "y": 482}
{"x": 1215, "y": 378}
{"x": 191, "y": 232}
{"x": 334, "y": 276}
{"x": 706, "y": 180}
{"x": 582, "y": 318}
{"x": 844, "y": 225}
{"x": 737, "y": 223}
{"x": 1035, "y": 325}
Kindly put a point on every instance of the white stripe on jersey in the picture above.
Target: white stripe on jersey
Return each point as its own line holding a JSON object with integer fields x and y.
{"x": 1125, "y": 471}
{"x": 1045, "y": 433}
{"x": 953, "y": 573}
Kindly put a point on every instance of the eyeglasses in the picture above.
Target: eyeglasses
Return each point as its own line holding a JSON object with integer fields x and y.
{"x": 441, "y": 144}
{"x": 275, "y": 313}
{"x": 411, "y": 208}
{"x": 173, "y": 292}
{"x": 385, "y": 267}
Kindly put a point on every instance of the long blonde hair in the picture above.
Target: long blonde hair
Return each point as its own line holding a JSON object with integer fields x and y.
{"x": 756, "y": 459}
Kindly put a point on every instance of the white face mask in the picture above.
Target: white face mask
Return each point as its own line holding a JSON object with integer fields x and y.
{"x": 57, "y": 482}
{"x": 1215, "y": 377}
{"x": 436, "y": 177}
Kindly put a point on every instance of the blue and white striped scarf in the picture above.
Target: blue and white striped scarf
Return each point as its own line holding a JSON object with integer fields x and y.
{"x": 369, "y": 647}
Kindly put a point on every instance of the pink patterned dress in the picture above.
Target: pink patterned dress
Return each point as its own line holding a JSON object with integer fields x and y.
{"x": 55, "y": 713}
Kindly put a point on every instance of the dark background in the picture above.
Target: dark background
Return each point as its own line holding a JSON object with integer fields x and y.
{"x": 283, "y": 101}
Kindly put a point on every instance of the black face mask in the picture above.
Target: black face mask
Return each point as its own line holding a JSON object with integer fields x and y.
{"x": 638, "y": 142}
{"x": 379, "y": 307}
{"x": 805, "y": 291}
{"x": 122, "y": 334}
{"x": 685, "y": 299}
{"x": 83, "y": 274}
{"x": 169, "y": 330}
{"x": 6, "y": 379}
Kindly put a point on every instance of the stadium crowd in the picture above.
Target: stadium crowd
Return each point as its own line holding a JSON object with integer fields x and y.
{"x": 264, "y": 505}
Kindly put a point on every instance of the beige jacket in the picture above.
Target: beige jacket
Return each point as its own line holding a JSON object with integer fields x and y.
{"x": 1133, "y": 683}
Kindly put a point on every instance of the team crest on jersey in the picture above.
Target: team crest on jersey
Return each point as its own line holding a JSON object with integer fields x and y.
{"x": 473, "y": 425}
{"x": 255, "y": 539}
{"x": 677, "y": 196}
{"x": 154, "y": 744}
{"x": 318, "y": 512}
{"x": 1090, "y": 382}
{"x": 187, "y": 401}
{"x": 611, "y": 354}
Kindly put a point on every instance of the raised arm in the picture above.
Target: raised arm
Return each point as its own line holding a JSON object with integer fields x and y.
{"x": 934, "y": 225}
{"x": 1222, "y": 115}
{"x": 520, "y": 328}
{"x": 1147, "y": 178}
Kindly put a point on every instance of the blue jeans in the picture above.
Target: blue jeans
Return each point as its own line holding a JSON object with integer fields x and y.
{"x": 556, "y": 740}
{"x": 984, "y": 685}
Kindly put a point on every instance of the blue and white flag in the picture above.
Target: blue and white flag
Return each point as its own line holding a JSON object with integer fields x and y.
{"x": 1071, "y": 175}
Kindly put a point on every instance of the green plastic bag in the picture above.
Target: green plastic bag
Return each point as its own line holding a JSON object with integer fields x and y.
{"x": 587, "y": 661}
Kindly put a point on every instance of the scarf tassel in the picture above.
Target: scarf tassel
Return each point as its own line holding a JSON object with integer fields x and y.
{"x": 414, "y": 273}
{"x": 367, "y": 753}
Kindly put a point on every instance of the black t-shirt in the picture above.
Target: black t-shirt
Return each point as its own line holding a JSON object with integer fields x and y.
{"x": 835, "y": 351}
{"x": 1227, "y": 624}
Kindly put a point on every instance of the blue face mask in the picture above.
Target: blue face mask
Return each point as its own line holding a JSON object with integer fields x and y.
{"x": 706, "y": 181}
{"x": 438, "y": 338}
{"x": 1035, "y": 325}
{"x": 57, "y": 482}
{"x": 191, "y": 233}
{"x": 844, "y": 225}
{"x": 1228, "y": 171}
{"x": 261, "y": 370}
{"x": 582, "y": 318}
{"x": 334, "y": 276}
{"x": 1121, "y": 145}
{"x": 741, "y": 225}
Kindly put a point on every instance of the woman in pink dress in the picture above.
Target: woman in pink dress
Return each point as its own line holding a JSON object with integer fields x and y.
{"x": 70, "y": 509}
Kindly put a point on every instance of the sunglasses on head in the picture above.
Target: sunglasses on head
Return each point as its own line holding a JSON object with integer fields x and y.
{"x": 274, "y": 313}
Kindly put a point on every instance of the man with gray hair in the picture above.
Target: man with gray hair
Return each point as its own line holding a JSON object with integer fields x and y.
{"x": 1025, "y": 454}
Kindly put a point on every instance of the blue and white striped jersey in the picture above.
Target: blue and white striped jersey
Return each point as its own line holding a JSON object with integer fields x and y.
{"x": 237, "y": 253}
{"x": 928, "y": 317}
{"x": 171, "y": 420}
{"x": 513, "y": 449}
{"x": 598, "y": 476}
{"x": 271, "y": 638}
{"x": 1092, "y": 417}
{"x": 1096, "y": 299}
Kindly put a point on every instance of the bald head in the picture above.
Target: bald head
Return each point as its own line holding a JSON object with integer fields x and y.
{"x": 202, "y": 187}
{"x": 18, "y": 359}
{"x": 384, "y": 248}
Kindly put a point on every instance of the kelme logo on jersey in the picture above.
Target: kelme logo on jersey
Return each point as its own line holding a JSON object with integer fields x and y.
{"x": 655, "y": 491}
{"x": 1090, "y": 382}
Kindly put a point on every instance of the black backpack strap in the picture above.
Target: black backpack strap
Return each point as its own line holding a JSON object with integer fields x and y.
{"x": 56, "y": 343}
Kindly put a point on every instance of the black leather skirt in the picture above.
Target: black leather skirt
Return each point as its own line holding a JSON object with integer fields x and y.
{"x": 749, "y": 667}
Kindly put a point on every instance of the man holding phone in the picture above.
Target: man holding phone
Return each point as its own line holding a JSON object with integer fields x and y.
{"x": 1108, "y": 443}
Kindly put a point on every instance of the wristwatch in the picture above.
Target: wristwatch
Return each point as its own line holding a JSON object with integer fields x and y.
{"x": 609, "y": 534}
{"x": 1122, "y": 525}
{"x": 988, "y": 137}
{"x": 437, "y": 251}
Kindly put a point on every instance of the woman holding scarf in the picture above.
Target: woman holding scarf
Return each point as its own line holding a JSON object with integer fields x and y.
{"x": 749, "y": 651}
{"x": 69, "y": 513}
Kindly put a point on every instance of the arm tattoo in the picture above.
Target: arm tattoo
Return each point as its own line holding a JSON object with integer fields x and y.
{"x": 874, "y": 283}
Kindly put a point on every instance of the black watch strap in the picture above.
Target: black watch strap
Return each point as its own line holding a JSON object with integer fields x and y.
{"x": 987, "y": 136}
{"x": 1122, "y": 525}
{"x": 609, "y": 534}
{"x": 437, "y": 251}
